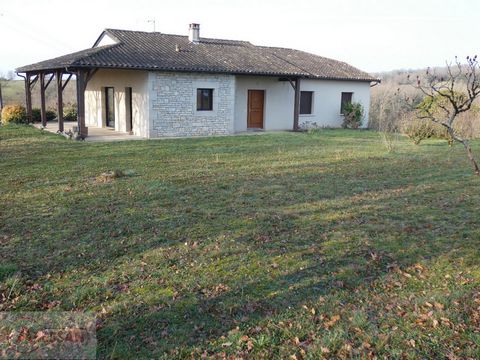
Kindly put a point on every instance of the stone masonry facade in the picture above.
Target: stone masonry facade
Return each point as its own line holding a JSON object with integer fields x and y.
{"x": 173, "y": 104}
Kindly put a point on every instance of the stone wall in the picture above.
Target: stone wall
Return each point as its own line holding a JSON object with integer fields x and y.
{"x": 173, "y": 104}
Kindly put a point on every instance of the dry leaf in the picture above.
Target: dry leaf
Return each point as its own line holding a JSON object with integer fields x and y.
{"x": 75, "y": 335}
{"x": 40, "y": 335}
{"x": 332, "y": 321}
{"x": 244, "y": 338}
{"x": 24, "y": 333}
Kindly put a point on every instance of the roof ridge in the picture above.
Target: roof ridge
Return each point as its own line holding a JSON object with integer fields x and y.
{"x": 183, "y": 36}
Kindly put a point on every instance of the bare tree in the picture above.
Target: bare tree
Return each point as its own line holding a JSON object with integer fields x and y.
{"x": 3, "y": 81}
{"x": 447, "y": 96}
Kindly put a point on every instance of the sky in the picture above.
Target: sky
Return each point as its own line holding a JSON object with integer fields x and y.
{"x": 369, "y": 34}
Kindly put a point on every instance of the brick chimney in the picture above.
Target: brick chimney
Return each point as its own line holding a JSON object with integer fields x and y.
{"x": 194, "y": 33}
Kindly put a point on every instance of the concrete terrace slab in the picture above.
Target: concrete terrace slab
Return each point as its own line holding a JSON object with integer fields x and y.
{"x": 94, "y": 133}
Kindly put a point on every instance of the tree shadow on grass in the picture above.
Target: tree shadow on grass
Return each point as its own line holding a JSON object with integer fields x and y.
{"x": 102, "y": 223}
{"x": 195, "y": 319}
{"x": 319, "y": 222}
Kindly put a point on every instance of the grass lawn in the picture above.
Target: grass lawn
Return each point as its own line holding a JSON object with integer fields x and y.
{"x": 285, "y": 245}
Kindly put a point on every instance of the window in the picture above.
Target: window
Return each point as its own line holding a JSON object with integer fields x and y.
{"x": 204, "y": 99}
{"x": 110, "y": 106}
{"x": 346, "y": 99}
{"x": 306, "y": 102}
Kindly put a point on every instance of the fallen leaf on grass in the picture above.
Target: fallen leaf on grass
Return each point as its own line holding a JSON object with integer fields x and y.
{"x": 75, "y": 335}
{"x": 40, "y": 335}
{"x": 24, "y": 334}
{"x": 332, "y": 321}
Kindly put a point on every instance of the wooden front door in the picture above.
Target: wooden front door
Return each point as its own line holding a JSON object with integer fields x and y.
{"x": 256, "y": 100}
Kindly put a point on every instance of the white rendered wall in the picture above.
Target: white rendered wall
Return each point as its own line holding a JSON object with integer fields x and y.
{"x": 106, "y": 40}
{"x": 278, "y": 107}
{"x": 327, "y": 100}
{"x": 279, "y": 98}
{"x": 119, "y": 80}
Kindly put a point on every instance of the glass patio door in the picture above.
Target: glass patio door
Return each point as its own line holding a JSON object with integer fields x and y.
{"x": 110, "y": 106}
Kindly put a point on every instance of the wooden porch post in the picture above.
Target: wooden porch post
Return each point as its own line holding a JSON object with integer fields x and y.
{"x": 81, "y": 83}
{"x": 60, "y": 100}
{"x": 43, "y": 110}
{"x": 296, "y": 105}
{"x": 28, "y": 97}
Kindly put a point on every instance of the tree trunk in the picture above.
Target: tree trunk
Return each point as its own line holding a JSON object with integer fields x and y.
{"x": 1, "y": 98}
{"x": 468, "y": 149}
{"x": 476, "y": 169}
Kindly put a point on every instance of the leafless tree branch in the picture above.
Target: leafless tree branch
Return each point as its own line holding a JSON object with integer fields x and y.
{"x": 444, "y": 98}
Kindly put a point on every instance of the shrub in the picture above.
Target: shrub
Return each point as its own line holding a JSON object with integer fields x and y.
{"x": 51, "y": 115}
{"x": 37, "y": 115}
{"x": 70, "y": 113}
{"x": 442, "y": 133}
{"x": 15, "y": 114}
{"x": 353, "y": 115}
{"x": 418, "y": 130}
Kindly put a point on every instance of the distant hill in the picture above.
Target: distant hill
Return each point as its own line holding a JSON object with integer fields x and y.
{"x": 13, "y": 92}
{"x": 399, "y": 77}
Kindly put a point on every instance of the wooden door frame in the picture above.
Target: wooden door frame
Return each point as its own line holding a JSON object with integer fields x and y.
{"x": 248, "y": 108}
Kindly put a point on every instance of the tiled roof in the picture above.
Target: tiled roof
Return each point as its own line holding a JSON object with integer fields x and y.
{"x": 157, "y": 51}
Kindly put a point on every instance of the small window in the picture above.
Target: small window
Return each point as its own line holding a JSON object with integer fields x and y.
{"x": 204, "y": 99}
{"x": 346, "y": 99}
{"x": 306, "y": 102}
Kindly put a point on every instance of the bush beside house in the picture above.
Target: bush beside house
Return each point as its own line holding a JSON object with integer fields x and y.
{"x": 14, "y": 114}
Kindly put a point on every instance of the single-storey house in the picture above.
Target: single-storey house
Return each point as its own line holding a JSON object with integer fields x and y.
{"x": 158, "y": 85}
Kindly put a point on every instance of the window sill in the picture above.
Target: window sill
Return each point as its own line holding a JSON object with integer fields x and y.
{"x": 205, "y": 113}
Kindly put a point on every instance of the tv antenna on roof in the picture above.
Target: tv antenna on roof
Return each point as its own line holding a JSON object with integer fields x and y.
{"x": 153, "y": 22}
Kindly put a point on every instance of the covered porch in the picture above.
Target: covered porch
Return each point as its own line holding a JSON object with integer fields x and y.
{"x": 45, "y": 76}
{"x": 57, "y": 73}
